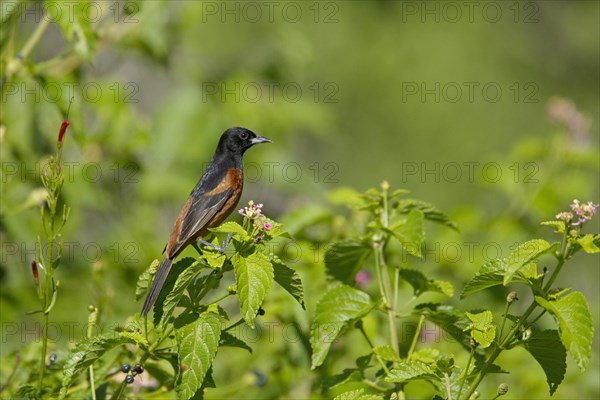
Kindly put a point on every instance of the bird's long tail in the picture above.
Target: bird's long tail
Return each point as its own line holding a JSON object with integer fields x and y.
{"x": 157, "y": 284}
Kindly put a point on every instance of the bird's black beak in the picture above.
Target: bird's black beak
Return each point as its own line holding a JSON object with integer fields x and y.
{"x": 260, "y": 139}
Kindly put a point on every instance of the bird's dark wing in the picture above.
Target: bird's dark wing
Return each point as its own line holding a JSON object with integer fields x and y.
{"x": 195, "y": 217}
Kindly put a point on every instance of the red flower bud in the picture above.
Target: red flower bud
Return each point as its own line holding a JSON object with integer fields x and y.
{"x": 34, "y": 270}
{"x": 61, "y": 133}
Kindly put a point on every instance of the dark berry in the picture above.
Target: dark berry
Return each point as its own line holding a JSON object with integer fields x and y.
{"x": 138, "y": 368}
{"x": 52, "y": 357}
{"x": 261, "y": 311}
{"x": 125, "y": 368}
{"x": 129, "y": 379}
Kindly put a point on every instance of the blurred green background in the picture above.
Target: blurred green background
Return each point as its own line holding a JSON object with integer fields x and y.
{"x": 487, "y": 109}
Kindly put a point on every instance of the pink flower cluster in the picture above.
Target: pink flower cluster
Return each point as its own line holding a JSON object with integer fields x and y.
{"x": 579, "y": 213}
{"x": 254, "y": 213}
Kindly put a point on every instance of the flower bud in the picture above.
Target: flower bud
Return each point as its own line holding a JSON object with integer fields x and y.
{"x": 385, "y": 186}
{"x": 502, "y": 389}
{"x": 512, "y": 297}
{"x": 62, "y": 131}
{"x": 34, "y": 270}
{"x": 232, "y": 289}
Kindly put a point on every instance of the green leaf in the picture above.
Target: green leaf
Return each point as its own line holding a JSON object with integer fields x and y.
{"x": 197, "y": 344}
{"x": 214, "y": 258}
{"x": 449, "y": 319}
{"x": 228, "y": 340}
{"x": 347, "y": 375}
{"x": 289, "y": 280}
{"x": 492, "y": 274}
{"x": 85, "y": 354}
{"x": 143, "y": 283}
{"x": 524, "y": 254}
{"x": 236, "y": 230}
{"x": 421, "y": 284}
{"x": 387, "y": 353}
{"x": 358, "y": 394}
{"x": 410, "y": 369}
{"x": 411, "y": 233}
{"x": 174, "y": 290}
{"x": 574, "y": 320}
{"x": 27, "y": 392}
{"x": 339, "y": 306}
{"x": 429, "y": 210}
{"x": 558, "y": 225}
{"x": 343, "y": 260}
{"x": 253, "y": 276}
{"x": 549, "y": 352}
{"x": 428, "y": 355}
{"x": 587, "y": 243}
{"x": 483, "y": 330}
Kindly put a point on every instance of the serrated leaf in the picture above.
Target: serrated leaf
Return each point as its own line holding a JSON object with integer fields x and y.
{"x": 214, "y": 258}
{"x": 549, "y": 352}
{"x": 449, "y": 319}
{"x": 229, "y": 340}
{"x": 358, "y": 394}
{"x": 490, "y": 274}
{"x": 85, "y": 353}
{"x": 289, "y": 280}
{"x": 236, "y": 230}
{"x": 421, "y": 284}
{"x": 558, "y": 225}
{"x": 387, "y": 353}
{"x": 427, "y": 355}
{"x": 411, "y": 233}
{"x": 343, "y": 260}
{"x": 408, "y": 370}
{"x": 197, "y": 344}
{"x": 524, "y": 254}
{"x": 27, "y": 392}
{"x": 347, "y": 375}
{"x": 143, "y": 283}
{"x": 483, "y": 330}
{"x": 253, "y": 276}
{"x": 174, "y": 288}
{"x": 339, "y": 306}
{"x": 587, "y": 243}
{"x": 429, "y": 210}
{"x": 574, "y": 323}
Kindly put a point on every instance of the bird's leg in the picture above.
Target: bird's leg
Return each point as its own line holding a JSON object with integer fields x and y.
{"x": 215, "y": 247}
{"x": 195, "y": 245}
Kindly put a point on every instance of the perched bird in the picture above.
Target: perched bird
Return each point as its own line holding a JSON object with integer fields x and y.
{"x": 213, "y": 198}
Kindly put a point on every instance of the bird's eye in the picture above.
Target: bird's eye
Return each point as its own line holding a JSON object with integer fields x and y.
{"x": 244, "y": 135}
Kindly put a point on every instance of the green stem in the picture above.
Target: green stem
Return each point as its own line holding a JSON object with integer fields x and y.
{"x": 448, "y": 386}
{"x": 46, "y": 302}
{"x": 360, "y": 327}
{"x": 117, "y": 395}
{"x": 90, "y": 332}
{"x": 238, "y": 323}
{"x": 504, "y": 320}
{"x": 417, "y": 334}
{"x": 154, "y": 345}
{"x": 17, "y": 63}
{"x": 462, "y": 384}
{"x": 389, "y": 295}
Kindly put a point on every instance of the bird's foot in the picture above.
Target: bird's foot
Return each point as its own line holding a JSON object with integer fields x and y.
{"x": 220, "y": 249}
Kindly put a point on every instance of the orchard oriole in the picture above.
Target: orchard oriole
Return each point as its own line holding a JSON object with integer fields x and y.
{"x": 213, "y": 198}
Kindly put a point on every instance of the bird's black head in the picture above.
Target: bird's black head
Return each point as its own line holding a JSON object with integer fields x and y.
{"x": 238, "y": 140}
